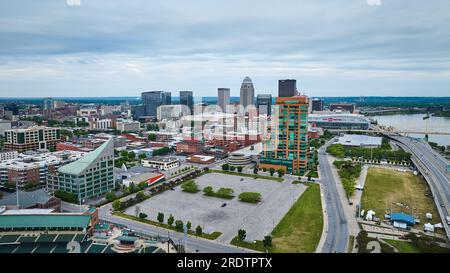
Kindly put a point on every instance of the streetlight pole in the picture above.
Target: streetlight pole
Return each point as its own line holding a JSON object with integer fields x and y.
{"x": 17, "y": 192}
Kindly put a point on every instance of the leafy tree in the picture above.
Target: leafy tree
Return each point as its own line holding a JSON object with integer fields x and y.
{"x": 31, "y": 185}
{"x": 170, "y": 220}
{"x": 142, "y": 185}
{"x": 160, "y": 217}
{"x": 131, "y": 155}
{"x": 255, "y": 170}
{"x": 208, "y": 191}
{"x": 161, "y": 151}
{"x": 188, "y": 225}
{"x": 242, "y": 234}
{"x": 272, "y": 171}
{"x": 280, "y": 172}
{"x": 239, "y": 169}
{"x": 111, "y": 196}
{"x": 198, "y": 230}
{"x": 142, "y": 215}
{"x": 66, "y": 196}
{"x": 250, "y": 197}
{"x": 117, "y": 204}
{"x": 267, "y": 241}
{"x": 140, "y": 195}
{"x": 190, "y": 186}
{"x": 124, "y": 154}
{"x": 179, "y": 225}
{"x": 66, "y": 133}
{"x": 232, "y": 168}
{"x": 226, "y": 167}
{"x": 152, "y": 137}
{"x": 264, "y": 169}
{"x": 142, "y": 156}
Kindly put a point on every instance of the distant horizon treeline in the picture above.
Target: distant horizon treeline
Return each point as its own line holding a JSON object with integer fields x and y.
{"x": 359, "y": 101}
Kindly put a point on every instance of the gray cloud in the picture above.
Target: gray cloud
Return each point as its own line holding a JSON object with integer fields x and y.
{"x": 122, "y": 48}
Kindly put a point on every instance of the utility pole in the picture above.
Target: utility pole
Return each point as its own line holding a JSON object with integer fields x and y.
{"x": 168, "y": 242}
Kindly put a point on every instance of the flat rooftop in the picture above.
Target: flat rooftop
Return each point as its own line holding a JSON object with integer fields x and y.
{"x": 359, "y": 140}
{"x": 162, "y": 159}
{"x": 44, "y": 221}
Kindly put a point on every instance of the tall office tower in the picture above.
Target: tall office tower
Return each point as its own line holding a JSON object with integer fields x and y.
{"x": 187, "y": 98}
{"x": 223, "y": 98}
{"x": 48, "y": 103}
{"x": 247, "y": 93}
{"x": 167, "y": 98}
{"x": 287, "y": 88}
{"x": 317, "y": 104}
{"x": 288, "y": 148}
{"x": 13, "y": 108}
{"x": 151, "y": 100}
{"x": 264, "y": 104}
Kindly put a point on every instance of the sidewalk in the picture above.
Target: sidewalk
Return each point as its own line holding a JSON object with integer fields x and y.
{"x": 325, "y": 221}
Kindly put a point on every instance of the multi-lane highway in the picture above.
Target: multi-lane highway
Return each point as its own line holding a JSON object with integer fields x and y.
{"x": 337, "y": 229}
{"x": 434, "y": 168}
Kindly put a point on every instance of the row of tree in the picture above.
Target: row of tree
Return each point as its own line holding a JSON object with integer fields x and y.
{"x": 179, "y": 225}
{"x": 119, "y": 205}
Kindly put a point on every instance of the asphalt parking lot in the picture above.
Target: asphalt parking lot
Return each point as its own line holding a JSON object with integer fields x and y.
{"x": 257, "y": 219}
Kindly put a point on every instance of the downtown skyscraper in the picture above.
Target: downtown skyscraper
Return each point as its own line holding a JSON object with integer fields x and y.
{"x": 247, "y": 95}
{"x": 287, "y": 88}
{"x": 223, "y": 98}
{"x": 152, "y": 100}
{"x": 187, "y": 98}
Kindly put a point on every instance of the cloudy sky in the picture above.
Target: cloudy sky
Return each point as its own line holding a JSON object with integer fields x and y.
{"x": 121, "y": 48}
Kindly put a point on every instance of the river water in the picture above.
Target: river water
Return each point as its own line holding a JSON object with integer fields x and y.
{"x": 415, "y": 122}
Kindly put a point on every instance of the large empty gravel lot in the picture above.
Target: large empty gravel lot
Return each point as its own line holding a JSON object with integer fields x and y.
{"x": 257, "y": 219}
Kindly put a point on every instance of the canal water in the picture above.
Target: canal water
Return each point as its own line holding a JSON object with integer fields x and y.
{"x": 415, "y": 122}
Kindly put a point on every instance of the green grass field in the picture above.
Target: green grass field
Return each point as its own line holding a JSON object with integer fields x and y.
{"x": 384, "y": 187}
{"x": 301, "y": 228}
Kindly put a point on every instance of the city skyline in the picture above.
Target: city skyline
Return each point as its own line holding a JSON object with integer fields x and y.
{"x": 95, "y": 50}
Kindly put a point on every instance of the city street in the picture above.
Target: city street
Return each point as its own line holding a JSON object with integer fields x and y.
{"x": 337, "y": 227}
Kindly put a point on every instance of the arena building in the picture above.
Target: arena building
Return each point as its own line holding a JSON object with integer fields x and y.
{"x": 339, "y": 121}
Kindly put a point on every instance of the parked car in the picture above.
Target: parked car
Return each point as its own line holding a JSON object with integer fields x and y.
{"x": 224, "y": 205}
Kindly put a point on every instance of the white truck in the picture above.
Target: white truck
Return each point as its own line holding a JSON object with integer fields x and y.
{"x": 448, "y": 220}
